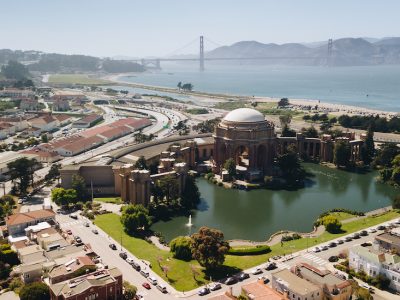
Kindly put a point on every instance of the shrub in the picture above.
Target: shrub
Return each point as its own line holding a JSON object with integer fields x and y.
{"x": 332, "y": 224}
{"x": 180, "y": 248}
{"x": 257, "y": 250}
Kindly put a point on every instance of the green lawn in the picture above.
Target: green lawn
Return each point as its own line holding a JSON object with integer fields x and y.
{"x": 76, "y": 79}
{"x": 114, "y": 200}
{"x": 180, "y": 274}
{"x": 342, "y": 215}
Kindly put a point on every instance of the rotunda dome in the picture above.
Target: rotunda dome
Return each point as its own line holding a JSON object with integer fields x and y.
{"x": 244, "y": 115}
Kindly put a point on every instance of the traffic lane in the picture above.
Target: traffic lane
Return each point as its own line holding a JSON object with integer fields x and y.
{"x": 100, "y": 244}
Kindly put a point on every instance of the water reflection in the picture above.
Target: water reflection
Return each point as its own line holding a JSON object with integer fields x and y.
{"x": 257, "y": 214}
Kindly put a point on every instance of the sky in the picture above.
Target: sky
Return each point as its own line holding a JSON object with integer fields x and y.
{"x": 142, "y": 28}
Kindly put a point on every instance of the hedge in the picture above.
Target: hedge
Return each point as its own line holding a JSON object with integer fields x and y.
{"x": 250, "y": 251}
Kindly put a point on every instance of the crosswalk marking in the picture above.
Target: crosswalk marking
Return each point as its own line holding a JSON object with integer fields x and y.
{"x": 66, "y": 224}
{"x": 282, "y": 265}
{"x": 315, "y": 259}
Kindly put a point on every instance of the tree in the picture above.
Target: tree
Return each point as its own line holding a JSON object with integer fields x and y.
{"x": 283, "y": 102}
{"x": 22, "y": 170}
{"x": 169, "y": 187}
{"x": 179, "y": 85}
{"x": 141, "y": 163}
{"x": 54, "y": 172}
{"x": 310, "y": 132}
{"x": 368, "y": 148}
{"x": 35, "y": 291}
{"x": 285, "y": 120}
{"x": 135, "y": 217}
{"x": 289, "y": 164}
{"x": 44, "y": 138}
{"x": 63, "y": 197}
{"x": 15, "y": 70}
{"x": 129, "y": 291}
{"x": 190, "y": 195}
{"x": 331, "y": 223}
{"x": 78, "y": 184}
{"x": 287, "y": 132}
{"x": 209, "y": 248}
{"x": 180, "y": 248}
{"x": 230, "y": 167}
{"x": 187, "y": 87}
{"x": 341, "y": 153}
{"x": 386, "y": 154}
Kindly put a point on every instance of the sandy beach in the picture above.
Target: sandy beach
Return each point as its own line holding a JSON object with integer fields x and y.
{"x": 216, "y": 97}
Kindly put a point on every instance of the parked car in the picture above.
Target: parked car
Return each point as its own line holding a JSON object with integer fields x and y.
{"x": 372, "y": 230}
{"x": 356, "y": 236}
{"x": 215, "y": 286}
{"x": 324, "y": 248}
{"x": 69, "y": 231}
{"x": 271, "y": 266}
{"x": 231, "y": 280}
{"x": 136, "y": 266}
{"x": 95, "y": 231}
{"x": 256, "y": 271}
{"x": 144, "y": 273}
{"x": 263, "y": 279}
{"x": 381, "y": 227}
{"x": 129, "y": 260}
{"x": 86, "y": 224}
{"x": 333, "y": 258}
{"x": 112, "y": 246}
{"x": 123, "y": 255}
{"x": 348, "y": 239}
{"x": 243, "y": 276}
{"x": 204, "y": 291}
{"x": 146, "y": 285}
{"x": 162, "y": 288}
{"x": 152, "y": 280}
{"x": 316, "y": 250}
{"x": 364, "y": 233}
{"x": 340, "y": 242}
{"x": 78, "y": 239}
{"x": 332, "y": 244}
{"x": 73, "y": 216}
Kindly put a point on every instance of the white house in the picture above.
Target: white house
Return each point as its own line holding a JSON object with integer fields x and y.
{"x": 373, "y": 262}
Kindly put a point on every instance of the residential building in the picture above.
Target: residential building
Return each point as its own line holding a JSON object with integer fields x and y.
{"x": 29, "y": 104}
{"x": 389, "y": 241}
{"x": 60, "y": 104}
{"x": 31, "y": 254}
{"x": 295, "y": 287}
{"x": 6, "y": 129}
{"x": 71, "y": 269}
{"x": 103, "y": 284}
{"x": 45, "y": 123}
{"x": 225, "y": 296}
{"x": 87, "y": 121}
{"x": 51, "y": 241}
{"x": 17, "y": 223}
{"x": 16, "y": 93}
{"x": 373, "y": 262}
{"x": 43, "y": 156}
{"x": 258, "y": 290}
{"x": 19, "y": 122}
{"x": 334, "y": 288}
{"x": 63, "y": 119}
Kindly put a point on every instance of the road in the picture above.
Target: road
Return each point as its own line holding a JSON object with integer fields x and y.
{"x": 101, "y": 241}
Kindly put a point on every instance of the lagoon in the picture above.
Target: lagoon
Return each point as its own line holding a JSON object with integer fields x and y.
{"x": 255, "y": 215}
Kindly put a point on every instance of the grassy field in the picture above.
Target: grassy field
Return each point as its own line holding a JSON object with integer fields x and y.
{"x": 180, "y": 273}
{"x": 76, "y": 79}
{"x": 115, "y": 200}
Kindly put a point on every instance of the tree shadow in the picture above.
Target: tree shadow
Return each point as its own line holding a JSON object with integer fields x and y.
{"x": 221, "y": 273}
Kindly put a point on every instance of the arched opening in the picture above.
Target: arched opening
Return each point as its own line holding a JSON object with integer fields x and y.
{"x": 242, "y": 156}
{"x": 222, "y": 153}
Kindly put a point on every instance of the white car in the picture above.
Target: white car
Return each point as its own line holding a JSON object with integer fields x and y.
{"x": 372, "y": 230}
{"x": 152, "y": 280}
{"x": 256, "y": 271}
{"x": 129, "y": 260}
{"x": 316, "y": 250}
{"x": 215, "y": 286}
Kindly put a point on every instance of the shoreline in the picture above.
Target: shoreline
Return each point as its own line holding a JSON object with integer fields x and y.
{"x": 203, "y": 96}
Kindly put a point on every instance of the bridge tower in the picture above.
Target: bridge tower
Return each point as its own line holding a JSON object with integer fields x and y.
{"x": 329, "y": 56}
{"x": 201, "y": 54}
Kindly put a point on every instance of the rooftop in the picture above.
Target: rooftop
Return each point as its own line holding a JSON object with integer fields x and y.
{"x": 296, "y": 284}
{"x": 244, "y": 115}
{"x": 21, "y": 218}
{"x": 71, "y": 266}
{"x": 259, "y": 291}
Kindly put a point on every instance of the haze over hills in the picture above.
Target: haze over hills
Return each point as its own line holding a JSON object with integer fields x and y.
{"x": 345, "y": 52}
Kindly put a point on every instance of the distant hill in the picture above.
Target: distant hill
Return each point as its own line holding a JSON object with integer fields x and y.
{"x": 345, "y": 52}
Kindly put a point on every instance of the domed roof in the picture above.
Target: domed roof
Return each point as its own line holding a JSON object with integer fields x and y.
{"x": 244, "y": 115}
